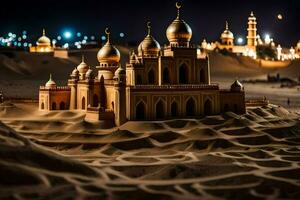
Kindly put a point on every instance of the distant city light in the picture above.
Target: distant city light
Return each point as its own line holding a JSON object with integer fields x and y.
{"x": 78, "y": 34}
{"x": 24, "y": 37}
{"x": 24, "y": 32}
{"x": 85, "y": 37}
{"x": 240, "y": 40}
{"x": 103, "y": 38}
{"x": 92, "y": 37}
{"x": 67, "y": 34}
{"x": 59, "y": 37}
{"x": 122, "y": 34}
{"x": 66, "y": 45}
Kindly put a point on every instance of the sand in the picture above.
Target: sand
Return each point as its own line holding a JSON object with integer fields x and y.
{"x": 58, "y": 154}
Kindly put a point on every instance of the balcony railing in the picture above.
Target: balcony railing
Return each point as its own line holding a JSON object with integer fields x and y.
{"x": 213, "y": 86}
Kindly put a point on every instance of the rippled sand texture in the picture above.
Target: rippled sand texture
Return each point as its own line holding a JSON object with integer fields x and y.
{"x": 254, "y": 156}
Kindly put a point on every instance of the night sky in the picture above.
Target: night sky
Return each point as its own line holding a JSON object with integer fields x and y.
{"x": 206, "y": 18}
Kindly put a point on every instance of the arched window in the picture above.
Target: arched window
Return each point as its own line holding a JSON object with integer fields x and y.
{"x": 43, "y": 106}
{"x": 190, "y": 107}
{"x": 53, "y": 106}
{"x": 159, "y": 110}
{"x": 102, "y": 93}
{"x": 207, "y": 107}
{"x": 166, "y": 76}
{"x": 95, "y": 100}
{"x": 183, "y": 74}
{"x": 62, "y": 106}
{"x": 202, "y": 76}
{"x": 174, "y": 109}
{"x": 151, "y": 77}
{"x": 140, "y": 111}
{"x": 83, "y": 103}
{"x": 139, "y": 79}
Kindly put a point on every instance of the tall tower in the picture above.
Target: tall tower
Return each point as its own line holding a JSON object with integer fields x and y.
{"x": 252, "y": 31}
{"x": 120, "y": 96}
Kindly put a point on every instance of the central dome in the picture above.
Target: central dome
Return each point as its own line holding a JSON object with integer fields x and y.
{"x": 179, "y": 32}
{"x": 108, "y": 54}
{"x": 44, "y": 40}
{"x": 149, "y": 46}
{"x": 227, "y": 34}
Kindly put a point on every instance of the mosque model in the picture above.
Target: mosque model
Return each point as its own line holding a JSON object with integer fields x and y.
{"x": 168, "y": 83}
{"x": 43, "y": 45}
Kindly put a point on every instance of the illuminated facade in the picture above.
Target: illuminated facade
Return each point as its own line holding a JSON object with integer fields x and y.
{"x": 43, "y": 45}
{"x": 227, "y": 40}
{"x": 173, "y": 82}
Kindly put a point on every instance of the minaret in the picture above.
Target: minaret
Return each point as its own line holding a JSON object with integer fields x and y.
{"x": 120, "y": 96}
{"x": 252, "y": 31}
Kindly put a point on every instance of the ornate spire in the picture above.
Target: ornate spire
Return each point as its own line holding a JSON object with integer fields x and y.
{"x": 178, "y": 6}
{"x": 149, "y": 28}
{"x": 50, "y": 77}
{"x": 44, "y": 32}
{"x": 226, "y": 25}
{"x": 252, "y": 14}
{"x": 82, "y": 58}
{"x": 107, "y": 32}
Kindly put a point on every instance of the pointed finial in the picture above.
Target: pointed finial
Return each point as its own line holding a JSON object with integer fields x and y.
{"x": 226, "y": 25}
{"x": 149, "y": 27}
{"x": 178, "y": 6}
{"x": 252, "y": 14}
{"x": 107, "y": 32}
{"x": 44, "y": 32}
{"x": 50, "y": 78}
{"x": 82, "y": 58}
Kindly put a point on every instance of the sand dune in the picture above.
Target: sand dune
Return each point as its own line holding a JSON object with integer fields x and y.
{"x": 254, "y": 156}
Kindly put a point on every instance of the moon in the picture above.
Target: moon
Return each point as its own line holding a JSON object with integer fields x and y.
{"x": 279, "y": 16}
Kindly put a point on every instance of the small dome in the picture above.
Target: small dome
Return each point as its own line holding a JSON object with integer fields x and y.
{"x": 75, "y": 73}
{"x": 108, "y": 53}
{"x": 82, "y": 67}
{"x": 227, "y": 34}
{"x": 107, "y": 74}
{"x": 44, "y": 40}
{"x": 149, "y": 46}
{"x": 50, "y": 83}
{"x": 90, "y": 74}
{"x": 237, "y": 86}
{"x": 179, "y": 30}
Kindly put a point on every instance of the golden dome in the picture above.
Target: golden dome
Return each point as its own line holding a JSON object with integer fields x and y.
{"x": 227, "y": 34}
{"x": 149, "y": 46}
{"x": 179, "y": 30}
{"x": 50, "y": 83}
{"x": 82, "y": 67}
{"x": 44, "y": 40}
{"x": 108, "y": 54}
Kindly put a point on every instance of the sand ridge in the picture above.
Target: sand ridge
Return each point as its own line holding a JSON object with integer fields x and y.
{"x": 254, "y": 156}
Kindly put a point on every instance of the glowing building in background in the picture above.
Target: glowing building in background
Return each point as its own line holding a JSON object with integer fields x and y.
{"x": 43, "y": 45}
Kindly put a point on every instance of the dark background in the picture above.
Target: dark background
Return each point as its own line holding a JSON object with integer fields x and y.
{"x": 206, "y": 18}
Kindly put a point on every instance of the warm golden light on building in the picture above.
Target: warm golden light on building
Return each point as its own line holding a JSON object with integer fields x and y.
{"x": 43, "y": 45}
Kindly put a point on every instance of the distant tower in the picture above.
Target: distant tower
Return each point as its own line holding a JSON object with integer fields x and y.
{"x": 252, "y": 31}
{"x": 120, "y": 96}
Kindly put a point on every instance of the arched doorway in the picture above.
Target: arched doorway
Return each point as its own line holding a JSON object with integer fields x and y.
{"x": 151, "y": 77}
{"x": 95, "y": 100}
{"x": 166, "y": 76}
{"x": 43, "y": 106}
{"x": 202, "y": 76}
{"x": 160, "y": 111}
{"x": 62, "y": 106}
{"x": 190, "y": 107}
{"x": 139, "y": 79}
{"x": 53, "y": 106}
{"x": 140, "y": 111}
{"x": 226, "y": 107}
{"x": 174, "y": 109}
{"x": 183, "y": 74}
{"x": 83, "y": 103}
{"x": 207, "y": 107}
